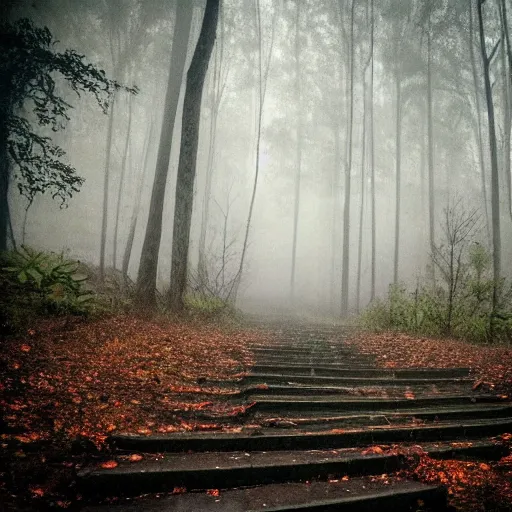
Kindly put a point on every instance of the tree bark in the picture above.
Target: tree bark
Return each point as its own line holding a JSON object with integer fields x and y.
{"x": 398, "y": 170}
{"x": 263, "y": 75}
{"x": 348, "y": 171}
{"x": 363, "y": 192}
{"x": 505, "y": 76}
{"x": 495, "y": 190}
{"x": 188, "y": 155}
{"x": 135, "y": 213}
{"x": 478, "y": 127}
{"x": 218, "y": 86}
{"x": 298, "y": 154}
{"x": 146, "y": 279}
{"x": 124, "y": 164}
{"x": 106, "y": 189}
{"x": 372, "y": 157}
{"x": 4, "y": 187}
{"x": 430, "y": 135}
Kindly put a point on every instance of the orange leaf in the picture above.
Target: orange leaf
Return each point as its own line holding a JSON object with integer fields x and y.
{"x": 110, "y": 464}
{"x": 135, "y": 457}
{"x": 25, "y": 348}
{"x": 485, "y": 467}
{"x": 37, "y": 491}
{"x": 213, "y": 492}
{"x": 179, "y": 490}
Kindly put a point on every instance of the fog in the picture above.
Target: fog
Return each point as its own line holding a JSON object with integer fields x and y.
{"x": 332, "y": 108}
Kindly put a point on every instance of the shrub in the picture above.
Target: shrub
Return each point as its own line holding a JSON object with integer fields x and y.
{"x": 38, "y": 283}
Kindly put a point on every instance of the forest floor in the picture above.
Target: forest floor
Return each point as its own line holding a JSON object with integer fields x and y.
{"x": 67, "y": 384}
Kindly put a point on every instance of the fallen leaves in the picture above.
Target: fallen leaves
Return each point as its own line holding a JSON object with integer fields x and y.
{"x": 109, "y": 464}
{"x": 373, "y": 450}
{"x": 491, "y": 366}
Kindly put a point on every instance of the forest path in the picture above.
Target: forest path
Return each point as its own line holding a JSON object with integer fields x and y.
{"x": 325, "y": 429}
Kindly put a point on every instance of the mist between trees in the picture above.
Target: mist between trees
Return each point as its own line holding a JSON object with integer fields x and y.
{"x": 294, "y": 155}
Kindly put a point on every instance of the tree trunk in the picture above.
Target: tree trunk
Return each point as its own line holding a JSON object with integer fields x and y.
{"x": 188, "y": 155}
{"x": 263, "y": 75}
{"x": 4, "y": 187}
{"x": 124, "y": 164}
{"x": 135, "y": 213}
{"x": 348, "y": 170}
{"x": 372, "y": 158}
{"x": 218, "y": 89}
{"x": 363, "y": 192}
{"x": 146, "y": 279}
{"x": 478, "y": 127}
{"x": 506, "y": 35}
{"x": 505, "y": 76}
{"x": 495, "y": 190}
{"x": 430, "y": 133}
{"x": 335, "y": 207}
{"x": 106, "y": 189}
{"x": 298, "y": 154}
{"x": 398, "y": 177}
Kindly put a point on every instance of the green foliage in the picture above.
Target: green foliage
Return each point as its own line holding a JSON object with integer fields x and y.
{"x": 29, "y": 64}
{"x": 424, "y": 311}
{"x": 206, "y": 307}
{"x": 38, "y": 283}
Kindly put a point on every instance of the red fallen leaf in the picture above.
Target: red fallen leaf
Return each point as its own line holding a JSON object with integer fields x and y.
{"x": 63, "y": 504}
{"x": 477, "y": 384}
{"x": 25, "y": 348}
{"x": 373, "y": 450}
{"x": 409, "y": 395}
{"x": 110, "y": 464}
{"x": 202, "y": 405}
{"x": 16, "y": 365}
{"x": 337, "y": 431}
{"x": 37, "y": 491}
{"x": 345, "y": 478}
{"x": 261, "y": 386}
{"x": 110, "y": 428}
{"x": 484, "y": 467}
{"x": 135, "y": 457}
{"x": 179, "y": 490}
{"x": 144, "y": 431}
{"x": 213, "y": 492}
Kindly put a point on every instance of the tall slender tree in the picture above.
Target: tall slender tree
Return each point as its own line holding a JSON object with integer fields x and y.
{"x": 348, "y": 173}
{"x": 495, "y": 188}
{"x": 146, "y": 280}
{"x": 298, "y": 149}
{"x": 263, "y": 70}
{"x": 188, "y": 155}
{"x": 372, "y": 152}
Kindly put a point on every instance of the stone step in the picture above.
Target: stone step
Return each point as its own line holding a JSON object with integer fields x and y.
{"x": 334, "y": 361}
{"x": 227, "y": 470}
{"x": 157, "y": 473}
{"x": 306, "y": 404}
{"x": 315, "y": 380}
{"x": 424, "y": 373}
{"x": 266, "y": 440}
{"x": 327, "y": 385}
{"x": 318, "y": 421}
{"x": 355, "y": 495}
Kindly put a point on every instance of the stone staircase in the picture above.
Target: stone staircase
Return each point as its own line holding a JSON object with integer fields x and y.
{"x": 308, "y": 441}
